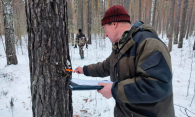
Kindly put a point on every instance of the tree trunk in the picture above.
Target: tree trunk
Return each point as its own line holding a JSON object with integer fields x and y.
{"x": 89, "y": 22}
{"x": 167, "y": 18}
{"x": 176, "y": 29}
{"x": 156, "y": 17}
{"x": 190, "y": 16}
{"x": 110, "y": 3}
{"x": 154, "y": 13}
{"x": 132, "y": 15}
{"x": 80, "y": 15}
{"x": 48, "y": 58}
{"x": 161, "y": 17}
{"x": 126, "y": 5}
{"x": 145, "y": 8}
{"x": 193, "y": 21}
{"x": 140, "y": 7}
{"x": 9, "y": 32}
{"x": 103, "y": 12}
{"x": 70, "y": 22}
{"x": 182, "y": 33}
{"x": 170, "y": 26}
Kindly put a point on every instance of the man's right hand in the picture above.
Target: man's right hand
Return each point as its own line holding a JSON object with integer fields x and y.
{"x": 79, "y": 70}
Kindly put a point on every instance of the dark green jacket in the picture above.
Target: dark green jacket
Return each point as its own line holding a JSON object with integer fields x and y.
{"x": 81, "y": 39}
{"x": 140, "y": 67}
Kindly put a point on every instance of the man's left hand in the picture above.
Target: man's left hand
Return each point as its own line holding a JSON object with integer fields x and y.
{"x": 106, "y": 91}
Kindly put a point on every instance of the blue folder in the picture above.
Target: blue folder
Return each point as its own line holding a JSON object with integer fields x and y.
{"x": 78, "y": 84}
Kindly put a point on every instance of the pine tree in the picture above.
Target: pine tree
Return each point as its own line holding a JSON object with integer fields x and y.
{"x": 182, "y": 30}
{"x": 177, "y": 22}
{"x": 170, "y": 28}
{"x": 49, "y": 58}
{"x": 9, "y": 32}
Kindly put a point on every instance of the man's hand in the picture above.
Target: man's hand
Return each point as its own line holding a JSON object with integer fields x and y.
{"x": 106, "y": 91}
{"x": 79, "y": 70}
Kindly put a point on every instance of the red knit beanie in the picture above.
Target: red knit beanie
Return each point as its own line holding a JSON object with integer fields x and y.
{"x": 116, "y": 13}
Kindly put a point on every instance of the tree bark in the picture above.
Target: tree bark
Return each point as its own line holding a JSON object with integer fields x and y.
{"x": 176, "y": 28}
{"x": 103, "y": 12}
{"x": 170, "y": 26}
{"x": 49, "y": 58}
{"x": 140, "y": 7}
{"x": 9, "y": 32}
{"x": 182, "y": 33}
{"x": 80, "y": 15}
{"x": 154, "y": 13}
{"x": 126, "y": 5}
{"x": 193, "y": 21}
{"x": 190, "y": 16}
{"x": 167, "y": 18}
{"x": 70, "y": 22}
{"x": 89, "y": 22}
{"x": 161, "y": 17}
{"x": 110, "y": 3}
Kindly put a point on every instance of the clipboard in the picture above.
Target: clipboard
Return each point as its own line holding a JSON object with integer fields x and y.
{"x": 79, "y": 84}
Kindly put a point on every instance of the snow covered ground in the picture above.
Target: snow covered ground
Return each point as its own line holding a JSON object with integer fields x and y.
{"x": 15, "y": 82}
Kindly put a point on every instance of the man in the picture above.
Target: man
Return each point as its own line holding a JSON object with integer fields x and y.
{"x": 139, "y": 66}
{"x": 80, "y": 40}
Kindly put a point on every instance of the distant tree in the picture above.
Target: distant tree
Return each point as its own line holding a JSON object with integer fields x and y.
{"x": 154, "y": 13}
{"x": 1, "y": 21}
{"x": 145, "y": 10}
{"x": 110, "y": 3}
{"x": 177, "y": 22}
{"x": 126, "y": 4}
{"x": 49, "y": 58}
{"x": 89, "y": 22}
{"x": 149, "y": 12}
{"x": 192, "y": 22}
{"x": 132, "y": 14}
{"x": 161, "y": 16}
{"x": 157, "y": 16}
{"x": 9, "y": 32}
{"x": 70, "y": 21}
{"x": 168, "y": 4}
{"x": 80, "y": 15}
{"x": 189, "y": 18}
{"x": 170, "y": 26}
{"x": 140, "y": 10}
{"x": 19, "y": 19}
{"x": 182, "y": 30}
{"x": 102, "y": 15}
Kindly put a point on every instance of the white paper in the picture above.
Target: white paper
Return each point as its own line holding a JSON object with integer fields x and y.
{"x": 89, "y": 82}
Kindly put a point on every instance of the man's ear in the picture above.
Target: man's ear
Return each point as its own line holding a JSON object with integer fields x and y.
{"x": 115, "y": 24}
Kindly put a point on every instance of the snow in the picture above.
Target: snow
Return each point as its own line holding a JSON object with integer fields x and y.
{"x": 15, "y": 81}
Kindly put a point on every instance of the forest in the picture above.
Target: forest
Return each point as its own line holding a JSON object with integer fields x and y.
{"x": 42, "y": 34}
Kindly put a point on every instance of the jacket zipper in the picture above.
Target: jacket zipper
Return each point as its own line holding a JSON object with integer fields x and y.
{"x": 117, "y": 67}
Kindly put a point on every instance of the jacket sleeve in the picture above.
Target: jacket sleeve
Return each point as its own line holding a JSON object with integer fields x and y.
{"x": 101, "y": 69}
{"x": 153, "y": 81}
{"x": 77, "y": 39}
{"x": 86, "y": 41}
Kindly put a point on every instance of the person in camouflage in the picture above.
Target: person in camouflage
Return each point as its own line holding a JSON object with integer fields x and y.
{"x": 81, "y": 41}
{"x": 139, "y": 67}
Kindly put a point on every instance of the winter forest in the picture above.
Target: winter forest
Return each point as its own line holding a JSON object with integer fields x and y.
{"x": 37, "y": 39}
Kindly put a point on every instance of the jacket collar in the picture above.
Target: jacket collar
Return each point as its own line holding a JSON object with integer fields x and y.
{"x": 127, "y": 35}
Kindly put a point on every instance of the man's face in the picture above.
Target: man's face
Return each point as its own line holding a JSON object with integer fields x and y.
{"x": 110, "y": 32}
